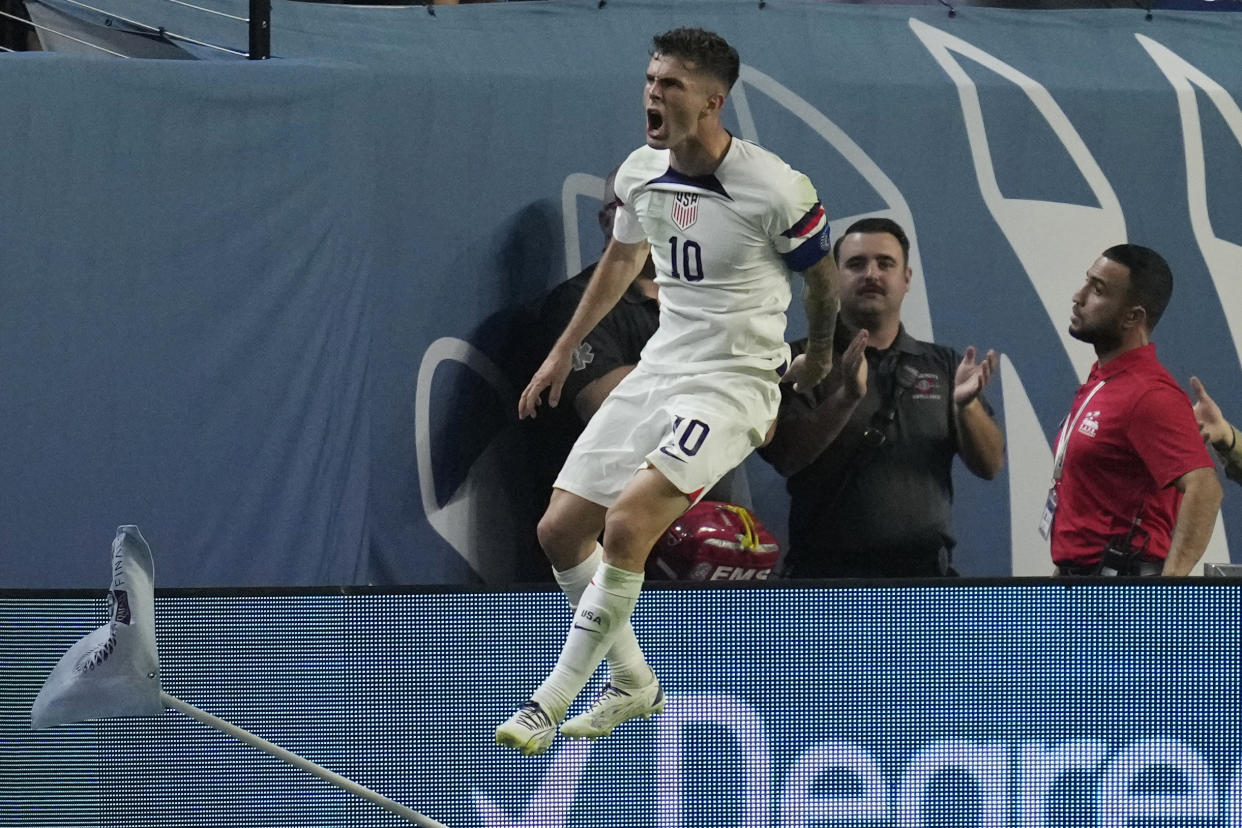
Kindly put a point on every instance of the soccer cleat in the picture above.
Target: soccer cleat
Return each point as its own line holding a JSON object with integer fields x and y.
{"x": 529, "y": 730}
{"x": 612, "y": 707}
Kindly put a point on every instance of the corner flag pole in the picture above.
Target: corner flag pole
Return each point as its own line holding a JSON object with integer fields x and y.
{"x": 305, "y": 764}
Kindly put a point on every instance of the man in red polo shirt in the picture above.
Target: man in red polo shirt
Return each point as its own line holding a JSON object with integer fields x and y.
{"x": 1134, "y": 491}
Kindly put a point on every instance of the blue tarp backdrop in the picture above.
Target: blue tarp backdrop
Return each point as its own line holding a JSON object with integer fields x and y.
{"x": 274, "y": 312}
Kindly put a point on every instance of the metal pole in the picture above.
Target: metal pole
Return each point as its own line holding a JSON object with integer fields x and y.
{"x": 260, "y": 29}
{"x": 300, "y": 762}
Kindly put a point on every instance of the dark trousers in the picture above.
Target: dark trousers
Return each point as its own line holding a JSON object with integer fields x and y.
{"x": 906, "y": 563}
{"x": 1135, "y": 568}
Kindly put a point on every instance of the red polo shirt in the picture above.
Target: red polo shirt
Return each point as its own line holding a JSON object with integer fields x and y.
{"x": 1136, "y": 436}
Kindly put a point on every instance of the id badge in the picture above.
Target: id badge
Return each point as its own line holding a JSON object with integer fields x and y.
{"x": 1050, "y": 509}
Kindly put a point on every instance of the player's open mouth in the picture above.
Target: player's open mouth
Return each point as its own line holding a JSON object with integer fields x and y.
{"x": 655, "y": 122}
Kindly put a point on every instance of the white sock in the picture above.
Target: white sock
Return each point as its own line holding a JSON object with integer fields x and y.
{"x": 603, "y": 612}
{"x": 575, "y": 579}
{"x": 627, "y": 666}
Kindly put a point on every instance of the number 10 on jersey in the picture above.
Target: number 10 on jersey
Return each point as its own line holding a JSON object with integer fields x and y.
{"x": 691, "y": 259}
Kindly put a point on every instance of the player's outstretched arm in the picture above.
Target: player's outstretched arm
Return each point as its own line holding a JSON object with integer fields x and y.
{"x": 821, "y": 297}
{"x": 619, "y": 266}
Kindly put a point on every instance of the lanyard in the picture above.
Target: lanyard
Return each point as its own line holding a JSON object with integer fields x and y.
{"x": 1067, "y": 430}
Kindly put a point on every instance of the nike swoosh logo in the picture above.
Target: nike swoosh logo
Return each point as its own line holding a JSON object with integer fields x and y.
{"x": 664, "y": 450}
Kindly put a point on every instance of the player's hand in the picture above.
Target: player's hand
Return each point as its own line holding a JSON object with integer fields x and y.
{"x": 550, "y": 377}
{"x": 808, "y": 370}
{"x": 972, "y": 377}
{"x": 1212, "y": 423}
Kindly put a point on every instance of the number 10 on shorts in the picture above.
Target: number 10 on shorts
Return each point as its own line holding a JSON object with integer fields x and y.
{"x": 686, "y": 440}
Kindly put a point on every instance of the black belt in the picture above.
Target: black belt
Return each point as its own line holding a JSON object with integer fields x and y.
{"x": 1137, "y": 568}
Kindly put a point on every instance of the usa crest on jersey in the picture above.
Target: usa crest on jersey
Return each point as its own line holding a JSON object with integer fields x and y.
{"x": 685, "y": 210}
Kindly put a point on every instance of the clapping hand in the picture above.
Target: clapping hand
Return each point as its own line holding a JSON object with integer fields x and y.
{"x": 1212, "y": 423}
{"x": 852, "y": 370}
{"x": 972, "y": 377}
{"x": 848, "y": 374}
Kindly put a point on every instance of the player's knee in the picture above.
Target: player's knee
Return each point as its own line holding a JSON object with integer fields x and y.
{"x": 626, "y": 538}
{"x": 563, "y": 542}
{"x": 551, "y": 533}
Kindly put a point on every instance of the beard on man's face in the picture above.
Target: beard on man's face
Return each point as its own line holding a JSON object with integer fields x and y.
{"x": 1103, "y": 335}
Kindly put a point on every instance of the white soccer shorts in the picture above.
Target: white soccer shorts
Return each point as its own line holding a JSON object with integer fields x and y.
{"x": 692, "y": 428}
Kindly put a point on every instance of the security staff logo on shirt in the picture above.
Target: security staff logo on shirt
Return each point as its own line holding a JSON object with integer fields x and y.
{"x": 926, "y": 387}
{"x": 1090, "y": 423}
{"x": 685, "y": 210}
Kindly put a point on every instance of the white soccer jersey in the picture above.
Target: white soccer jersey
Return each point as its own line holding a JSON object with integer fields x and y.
{"x": 724, "y": 246}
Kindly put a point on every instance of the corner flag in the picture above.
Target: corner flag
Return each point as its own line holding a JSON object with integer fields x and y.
{"x": 114, "y": 671}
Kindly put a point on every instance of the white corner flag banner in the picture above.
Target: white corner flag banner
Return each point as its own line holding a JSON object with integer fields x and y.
{"x": 114, "y": 671}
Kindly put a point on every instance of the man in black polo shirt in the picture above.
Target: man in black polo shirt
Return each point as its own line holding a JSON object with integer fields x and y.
{"x": 868, "y": 453}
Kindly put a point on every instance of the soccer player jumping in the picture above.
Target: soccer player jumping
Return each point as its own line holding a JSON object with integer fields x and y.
{"x": 725, "y": 222}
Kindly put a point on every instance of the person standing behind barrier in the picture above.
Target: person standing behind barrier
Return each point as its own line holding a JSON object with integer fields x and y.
{"x": 1217, "y": 431}
{"x": 611, "y": 349}
{"x": 601, "y": 360}
{"x": 869, "y": 457}
{"x": 1134, "y": 491}
{"x": 726, "y": 223}
{"x": 605, "y": 355}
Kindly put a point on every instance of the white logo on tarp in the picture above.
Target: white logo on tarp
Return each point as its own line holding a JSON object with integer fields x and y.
{"x": 685, "y": 210}
{"x": 1006, "y": 777}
